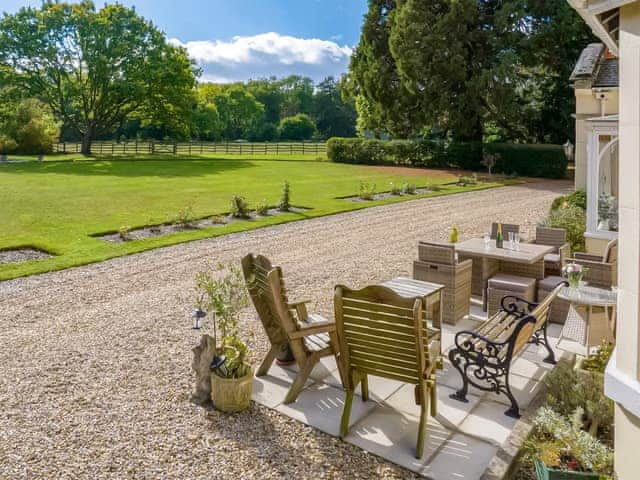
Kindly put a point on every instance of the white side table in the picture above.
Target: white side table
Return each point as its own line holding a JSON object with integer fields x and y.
{"x": 590, "y": 321}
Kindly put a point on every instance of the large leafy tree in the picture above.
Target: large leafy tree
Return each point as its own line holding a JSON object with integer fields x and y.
{"x": 95, "y": 68}
{"x": 334, "y": 116}
{"x": 470, "y": 68}
{"x": 238, "y": 109}
{"x": 383, "y": 102}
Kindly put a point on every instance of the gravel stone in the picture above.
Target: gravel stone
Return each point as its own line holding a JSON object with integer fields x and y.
{"x": 96, "y": 372}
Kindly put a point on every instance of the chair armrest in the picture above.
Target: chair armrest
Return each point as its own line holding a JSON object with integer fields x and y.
{"x": 587, "y": 262}
{"x": 314, "y": 328}
{"x": 587, "y": 256}
{"x": 565, "y": 252}
{"x": 301, "y": 309}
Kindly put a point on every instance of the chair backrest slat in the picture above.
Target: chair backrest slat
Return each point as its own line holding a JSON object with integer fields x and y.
{"x": 266, "y": 289}
{"x": 506, "y": 228}
{"x": 381, "y": 333}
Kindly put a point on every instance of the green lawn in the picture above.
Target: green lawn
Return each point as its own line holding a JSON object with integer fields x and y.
{"x": 57, "y": 205}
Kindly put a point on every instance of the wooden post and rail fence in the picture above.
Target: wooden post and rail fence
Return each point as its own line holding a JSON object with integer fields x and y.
{"x": 151, "y": 147}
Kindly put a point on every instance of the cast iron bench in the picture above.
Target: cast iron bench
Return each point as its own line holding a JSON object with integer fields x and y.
{"x": 483, "y": 357}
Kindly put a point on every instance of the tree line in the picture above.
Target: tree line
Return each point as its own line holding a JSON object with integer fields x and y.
{"x": 86, "y": 74}
{"x": 468, "y": 70}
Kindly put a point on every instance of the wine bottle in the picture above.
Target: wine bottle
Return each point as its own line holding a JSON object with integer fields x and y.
{"x": 499, "y": 237}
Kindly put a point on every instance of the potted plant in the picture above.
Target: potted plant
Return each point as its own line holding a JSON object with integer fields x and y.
{"x": 223, "y": 295}
{"x": 566, "y": 452}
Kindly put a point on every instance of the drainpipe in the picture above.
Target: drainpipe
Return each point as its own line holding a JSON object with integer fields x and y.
{"x": 602, "y": 96}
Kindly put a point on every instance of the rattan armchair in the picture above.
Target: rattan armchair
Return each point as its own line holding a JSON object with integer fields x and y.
{"x": 602, "y": 270}
{"x": 437, "y": 263}
{"x": 554, "y": 237}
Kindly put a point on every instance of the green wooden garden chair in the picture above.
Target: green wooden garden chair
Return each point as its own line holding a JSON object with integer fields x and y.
{"x": 383, "y": 334}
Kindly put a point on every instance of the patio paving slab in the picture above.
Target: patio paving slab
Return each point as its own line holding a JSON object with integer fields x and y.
{"x": 460, "y": 458}
{"x": 321, "y": 405}
{"x": 392, "y": 435}
{"x": 461, "y": 441}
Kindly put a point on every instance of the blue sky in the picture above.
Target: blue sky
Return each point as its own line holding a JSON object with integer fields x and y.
{"x": 242, "y": 39}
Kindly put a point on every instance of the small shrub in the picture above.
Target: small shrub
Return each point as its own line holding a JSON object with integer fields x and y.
{"x": 489, "y": 160}
{"x": 285, "y": 200}
{"x": 124, "y": 233}
{"x": 239, "y": 207}
{"x": 435, "y": 187}
{"x": 465, "y": 181}
{"x": 409, "y": 189}
{"x": 598, "y": 361}
{"x": 218, "y": 220}
{"x": 573, "y": 220}
{"x": 367, "y": 191}
{"x": 574, "y": 199}
{"x": 570, "y": 389}
{"x": 185, "y": 217}
{"x": 262, "y": 208}
{"x": 395, "y": 189}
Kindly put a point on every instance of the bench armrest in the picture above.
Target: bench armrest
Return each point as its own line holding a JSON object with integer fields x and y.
{"x": 509, "y": 303}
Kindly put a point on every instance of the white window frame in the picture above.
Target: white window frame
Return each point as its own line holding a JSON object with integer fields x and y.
{"x": 599, "y": 127}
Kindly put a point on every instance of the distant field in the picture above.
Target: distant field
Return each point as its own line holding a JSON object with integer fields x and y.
{"x": 57, "y": 205}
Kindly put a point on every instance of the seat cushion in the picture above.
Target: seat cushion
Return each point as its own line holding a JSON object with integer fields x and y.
{"x": 552, "y": 258}
{"x": 549, "y": 283}
{"x": 511, "y": 283}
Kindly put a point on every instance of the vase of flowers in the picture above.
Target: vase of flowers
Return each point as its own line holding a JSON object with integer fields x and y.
{"x": 574, "y": 274}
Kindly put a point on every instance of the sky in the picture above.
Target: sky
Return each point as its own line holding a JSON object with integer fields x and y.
{"x": 240, "y": 39}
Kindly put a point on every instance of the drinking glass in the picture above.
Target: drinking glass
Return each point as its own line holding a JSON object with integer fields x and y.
{"x": 516, "y": 238}
{"x": 487, "y": 241}
{"x": 510, "y": 240}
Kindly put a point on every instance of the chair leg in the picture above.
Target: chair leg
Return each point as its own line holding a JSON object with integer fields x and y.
{"x": 268, "y": 361}
{"x": 433, "y": 393}
{"x": 298, "y": 383}
{"x": 364, "y": 386}
{"x": 336, "y": 353}
{"x": 346, "y": 413}
{"x": 423, "y": 421}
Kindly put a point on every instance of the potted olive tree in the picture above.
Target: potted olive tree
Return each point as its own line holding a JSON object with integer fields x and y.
{"x": 223, "y": 295}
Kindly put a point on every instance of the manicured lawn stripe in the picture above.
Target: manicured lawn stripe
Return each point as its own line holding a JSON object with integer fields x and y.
{"x": 57, "y": 205}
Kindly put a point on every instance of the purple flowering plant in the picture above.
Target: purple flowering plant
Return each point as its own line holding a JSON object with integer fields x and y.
{"x": 574, "y": 273}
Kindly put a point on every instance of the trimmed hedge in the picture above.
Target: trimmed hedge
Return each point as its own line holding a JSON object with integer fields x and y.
{"x": 528, "y": 160}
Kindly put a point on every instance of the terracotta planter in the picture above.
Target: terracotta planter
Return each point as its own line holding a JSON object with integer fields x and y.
{"x": 231, "y": 394}
{"x": 545, "y": 473}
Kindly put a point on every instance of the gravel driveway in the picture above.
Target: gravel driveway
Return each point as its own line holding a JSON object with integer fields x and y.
{"x": 95, "y": 375}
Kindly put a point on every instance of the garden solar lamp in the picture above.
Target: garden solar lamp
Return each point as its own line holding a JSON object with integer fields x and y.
{"x": 197, "y": 314}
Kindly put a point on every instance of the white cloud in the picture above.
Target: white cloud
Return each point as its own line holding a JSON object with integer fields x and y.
{"x": 265, "y": 55}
